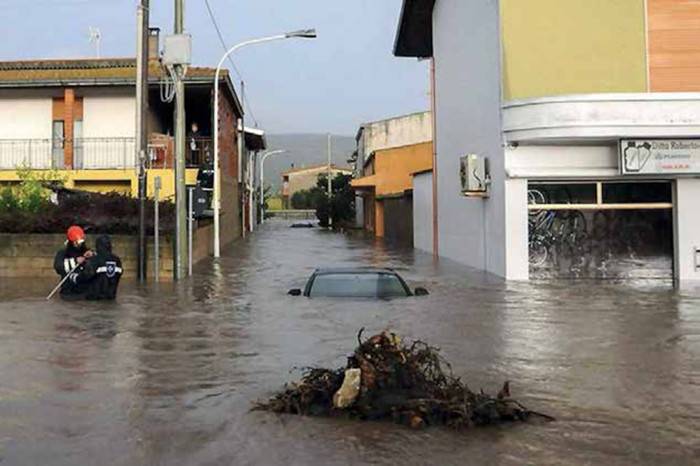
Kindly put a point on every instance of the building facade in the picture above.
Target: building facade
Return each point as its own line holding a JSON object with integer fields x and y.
{"x": 304, "y": 178}
{"x": 389, "y": 153}
{"x": 78, "y": 117}
{"x": 586, "y": 115}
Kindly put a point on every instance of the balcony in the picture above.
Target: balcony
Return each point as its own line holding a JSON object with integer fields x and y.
{"x": 88, "y": 153}
{"x": 98, "y": 153}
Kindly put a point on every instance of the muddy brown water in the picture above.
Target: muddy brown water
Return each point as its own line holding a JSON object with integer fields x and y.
{"x": 167, "y": 376}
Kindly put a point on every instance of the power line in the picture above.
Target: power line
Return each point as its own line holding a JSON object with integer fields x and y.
{"x": 233, "y": 65}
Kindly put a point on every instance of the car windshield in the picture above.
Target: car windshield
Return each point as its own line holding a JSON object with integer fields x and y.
{"x": 357, "y": 285}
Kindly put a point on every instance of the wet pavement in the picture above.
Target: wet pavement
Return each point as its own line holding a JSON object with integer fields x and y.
{"x": 167, "y": 376}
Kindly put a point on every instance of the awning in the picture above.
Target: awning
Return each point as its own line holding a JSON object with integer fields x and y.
{"x": 255, "y": 140}
{"x": 366, "y": 182}
{"x": 414, "y": 37}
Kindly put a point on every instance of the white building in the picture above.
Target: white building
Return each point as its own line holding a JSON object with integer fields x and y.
{"x": 549, "y": 94}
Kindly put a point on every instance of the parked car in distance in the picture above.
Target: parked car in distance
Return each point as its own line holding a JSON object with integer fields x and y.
{"x": 356, "y": 282}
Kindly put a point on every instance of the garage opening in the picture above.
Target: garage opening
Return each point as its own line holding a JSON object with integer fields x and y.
{"x": 600, "y": 229}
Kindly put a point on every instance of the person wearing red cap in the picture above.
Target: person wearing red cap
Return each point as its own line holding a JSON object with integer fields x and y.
{"x": 70, "y": 260}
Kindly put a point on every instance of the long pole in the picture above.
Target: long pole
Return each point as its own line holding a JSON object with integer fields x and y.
{"x": 156, "y": 229}
{"x": 251, "y": 189}
{"x": 190, "y": 224}
{"x": 141, "y": 138}
{"x": 330, "y": 183}
{"x": 180, "y": 188}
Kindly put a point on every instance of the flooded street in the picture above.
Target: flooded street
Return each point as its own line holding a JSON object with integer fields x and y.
{"x": 167, "y": 376}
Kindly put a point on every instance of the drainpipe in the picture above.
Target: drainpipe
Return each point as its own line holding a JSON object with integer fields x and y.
{"x": 433, "y": 116}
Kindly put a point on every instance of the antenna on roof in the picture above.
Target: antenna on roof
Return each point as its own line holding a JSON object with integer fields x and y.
{"x": 95, "y": 37}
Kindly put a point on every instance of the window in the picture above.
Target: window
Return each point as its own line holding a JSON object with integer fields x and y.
{"x": 357, "y": 285}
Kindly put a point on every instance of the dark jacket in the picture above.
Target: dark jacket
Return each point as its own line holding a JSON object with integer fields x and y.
{"x": 102, "y": 272}
{"x": 64, "y": 262}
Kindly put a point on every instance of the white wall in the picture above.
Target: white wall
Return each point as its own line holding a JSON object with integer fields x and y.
{"x": 687, "y": 228}
{"x": 467, "y": 54}
{"x": 395, "y": 132}
{"x": 25, "y": 117}
{"x": 423, "y": 212}
{"x": 109, "y": 116}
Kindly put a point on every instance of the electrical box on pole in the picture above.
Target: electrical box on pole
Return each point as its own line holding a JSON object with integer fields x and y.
{"x": 177, "y": 50}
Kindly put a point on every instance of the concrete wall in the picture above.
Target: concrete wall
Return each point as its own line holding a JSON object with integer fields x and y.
{"x": 553, "y": 47}
{"x": 109, "y": 116}
{"x": 468, "y": 100}
{"x": 25, "y": 117}
{"x": 687, "y": 229}
{"x": 32, "y": 255}
{"x": 395, "y": 132}
{"x": 423, "y": 212}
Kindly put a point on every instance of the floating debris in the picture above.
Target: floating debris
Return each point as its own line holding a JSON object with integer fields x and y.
{"x": 409, "y": 383}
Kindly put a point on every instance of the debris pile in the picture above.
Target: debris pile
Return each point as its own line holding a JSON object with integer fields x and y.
{"x": 409, "y": 383}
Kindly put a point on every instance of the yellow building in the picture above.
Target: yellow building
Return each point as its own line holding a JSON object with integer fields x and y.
{"x": 395, "y": 149}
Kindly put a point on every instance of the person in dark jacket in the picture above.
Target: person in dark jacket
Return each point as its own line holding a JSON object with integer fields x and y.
{"x": 70, "y": 260}
{"x": 102, "y": 272}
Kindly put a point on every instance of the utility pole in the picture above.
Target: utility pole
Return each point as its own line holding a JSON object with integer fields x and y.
{"x": 141, "y": 136}
{"x": 330, "y": 183}
{"x": 180, "y": 188}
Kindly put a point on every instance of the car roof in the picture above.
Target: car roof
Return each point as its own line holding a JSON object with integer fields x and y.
{"x": 367, "y": 270}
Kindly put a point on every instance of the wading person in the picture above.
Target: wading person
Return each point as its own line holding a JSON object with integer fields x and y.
{"x": 102, "y": 272}
{"x": 70, "y": 260}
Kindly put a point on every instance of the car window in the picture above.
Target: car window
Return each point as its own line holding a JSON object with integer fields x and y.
{"x": 357, "y": 285}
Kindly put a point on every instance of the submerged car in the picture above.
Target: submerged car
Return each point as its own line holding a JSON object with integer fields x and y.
{"x": 356, "y": 283}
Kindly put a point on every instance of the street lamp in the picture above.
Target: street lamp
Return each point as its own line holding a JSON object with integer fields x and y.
{"x": 262, "y": 180}
{"x": 301, "y": 34}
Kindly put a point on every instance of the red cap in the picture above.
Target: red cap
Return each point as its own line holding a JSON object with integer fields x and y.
{"x": 75, "y": 234}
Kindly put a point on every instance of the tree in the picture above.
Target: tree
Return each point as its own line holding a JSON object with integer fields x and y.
{"x": 341, "y": 207}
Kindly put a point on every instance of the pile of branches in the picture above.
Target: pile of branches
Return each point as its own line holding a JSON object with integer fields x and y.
{"x": 409, "y": 384}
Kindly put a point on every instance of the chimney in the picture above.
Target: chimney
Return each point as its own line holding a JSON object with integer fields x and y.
{"x": 153, "y": 44}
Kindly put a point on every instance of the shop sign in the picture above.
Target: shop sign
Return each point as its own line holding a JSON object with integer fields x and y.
{"x": 660, "y": 156}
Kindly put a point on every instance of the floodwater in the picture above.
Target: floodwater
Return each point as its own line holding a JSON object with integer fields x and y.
{"x": 167, "y": 376}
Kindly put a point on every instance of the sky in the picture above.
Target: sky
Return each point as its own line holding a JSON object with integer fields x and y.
{"x": 332, "y": 84}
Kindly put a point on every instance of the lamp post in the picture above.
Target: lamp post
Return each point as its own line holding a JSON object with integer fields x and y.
{"x": 262, "y": 180}
{"x": 302, "y": 34}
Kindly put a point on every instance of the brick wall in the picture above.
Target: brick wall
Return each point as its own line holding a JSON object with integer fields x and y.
{"x": 228, "y": 164}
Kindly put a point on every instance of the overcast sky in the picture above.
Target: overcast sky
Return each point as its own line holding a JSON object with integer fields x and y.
{"x": 346, "y": 76}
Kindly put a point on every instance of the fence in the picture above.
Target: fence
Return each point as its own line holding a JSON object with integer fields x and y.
{"x": 31, "y": 153}
{"x": 100, "y": 153}
{"x": 88, "y": 153}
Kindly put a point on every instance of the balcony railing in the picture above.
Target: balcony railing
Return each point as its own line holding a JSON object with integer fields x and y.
{"x": 88, "y": 153}
{"x": 97, "y": 153}
{"x": 30, "y": 153}
{"x": 101, "y": 153}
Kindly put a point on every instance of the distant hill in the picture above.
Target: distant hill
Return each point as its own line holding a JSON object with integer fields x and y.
{"x": 304, "y": 150}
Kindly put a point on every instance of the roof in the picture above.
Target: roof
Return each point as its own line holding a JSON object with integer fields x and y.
{"x": 414, "y": 37}
{"x": 369, "y": 181}
{"x": 97, "y": 72}
{"x": 317, "y": 167}
{"x": 255, "y": 139}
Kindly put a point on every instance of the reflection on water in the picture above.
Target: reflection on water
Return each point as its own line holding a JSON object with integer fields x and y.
{"x": 168, "y": 376}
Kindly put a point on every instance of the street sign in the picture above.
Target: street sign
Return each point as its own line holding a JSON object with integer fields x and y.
{"x": 660, "y": 156}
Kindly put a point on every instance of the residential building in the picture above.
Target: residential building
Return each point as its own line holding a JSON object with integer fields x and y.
{"x": 389, "y": 153}
{"x": 583, "y": 113}
{"x": 300, "y": 179}
{"x": 78, "y": 117}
